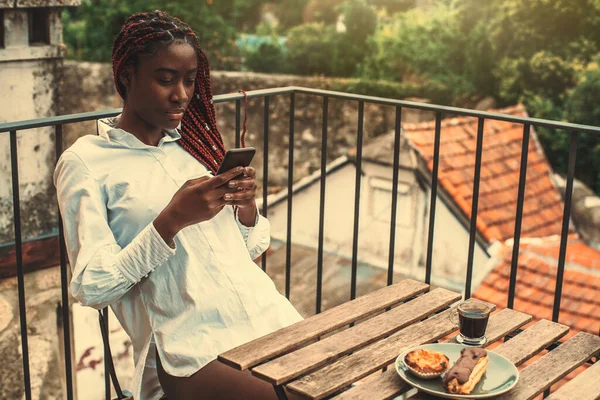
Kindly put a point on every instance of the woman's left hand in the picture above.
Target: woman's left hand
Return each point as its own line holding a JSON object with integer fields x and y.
{"x": 245, "y": 186}
{"x": 243, "y": 197}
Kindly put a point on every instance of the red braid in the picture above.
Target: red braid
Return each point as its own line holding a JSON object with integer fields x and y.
{"x": 243, "y": 138}
{"x": 144, "y": 33}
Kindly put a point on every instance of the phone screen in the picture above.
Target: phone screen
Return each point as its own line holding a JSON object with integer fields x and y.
{"x": 237, "y": 158}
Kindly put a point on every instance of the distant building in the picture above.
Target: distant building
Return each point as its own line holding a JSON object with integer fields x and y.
{"x": 542, "y": 214}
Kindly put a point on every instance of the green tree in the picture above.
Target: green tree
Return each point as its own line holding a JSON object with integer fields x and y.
{"x": 360, "y": 20}
{"x": 244, "y": 15}
{"x": 268, "y": 57}
{"x": 74, "y": 30}
{"x": 350, "y": 47}
{"x": 539, "y": 49}
{"x": 544, "y": 74}
{"x": 530, "y": 52}
{"x": 318, "y": 48}
{"x": 566, "y": 28}
{"x": 426, "y": 46}
{"x": 394, "y": 6}
{"x": 104, "y": 18}
{"x": 582, "y": 107}
{"x": 310, "y": 48}
{"x": 290, "y": 13}
{"x": 325, "y": 11}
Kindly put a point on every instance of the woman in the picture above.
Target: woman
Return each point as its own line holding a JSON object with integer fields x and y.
{"x": 153, "y": 233}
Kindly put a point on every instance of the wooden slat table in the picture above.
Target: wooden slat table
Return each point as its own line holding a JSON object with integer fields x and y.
{"x": 321, "y": 357}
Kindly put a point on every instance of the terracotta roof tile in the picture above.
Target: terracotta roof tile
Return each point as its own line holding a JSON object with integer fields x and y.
{"x": 536, "y": 282}
{"x": 501, "y": 158}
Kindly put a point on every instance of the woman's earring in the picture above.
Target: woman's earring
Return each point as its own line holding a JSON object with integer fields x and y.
{"x": 197, "y": 96}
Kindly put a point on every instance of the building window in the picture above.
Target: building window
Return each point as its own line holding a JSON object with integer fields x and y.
{"x": 39, "y": 26}
{"x": 381, "y": 202}
{"x": 1, "y": 29}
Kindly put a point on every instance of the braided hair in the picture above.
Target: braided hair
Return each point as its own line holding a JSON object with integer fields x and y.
{"x": 145, "y": 33}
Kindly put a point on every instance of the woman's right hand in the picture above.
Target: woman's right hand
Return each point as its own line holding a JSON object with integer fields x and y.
{"x": 196, "y": 201}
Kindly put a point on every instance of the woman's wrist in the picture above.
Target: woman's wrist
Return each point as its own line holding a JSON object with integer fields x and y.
{"x": 247, "y": 215}
{"x": 166, "y": 225}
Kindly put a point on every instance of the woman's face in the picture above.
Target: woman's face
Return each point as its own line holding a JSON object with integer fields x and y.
{"x": 162, "y": 86}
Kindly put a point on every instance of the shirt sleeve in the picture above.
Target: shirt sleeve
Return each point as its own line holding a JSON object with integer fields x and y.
{"x": 102, "y": 271}
{"x": 257, "y": 237}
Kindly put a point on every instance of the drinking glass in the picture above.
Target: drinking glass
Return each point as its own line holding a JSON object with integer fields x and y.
{"x": 472, "y": 318}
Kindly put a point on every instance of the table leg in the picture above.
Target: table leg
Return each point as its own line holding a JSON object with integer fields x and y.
{"x": 280, "y": 392}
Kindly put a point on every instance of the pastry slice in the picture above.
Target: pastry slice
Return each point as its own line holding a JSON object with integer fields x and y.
{"x": 468, "y": 370}
{"x": 426, "y": 364}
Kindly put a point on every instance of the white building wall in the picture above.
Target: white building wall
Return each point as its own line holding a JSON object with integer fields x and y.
{"x": 451, "y": 239}
{"x": 339, "y": 209}
{"x": 451, "y": 249}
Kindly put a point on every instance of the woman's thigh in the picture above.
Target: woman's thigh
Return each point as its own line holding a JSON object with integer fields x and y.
{"x": 217, "y": 381}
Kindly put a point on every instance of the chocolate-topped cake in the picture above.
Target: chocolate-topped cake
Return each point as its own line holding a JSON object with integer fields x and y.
{"x": 467, "y": 371}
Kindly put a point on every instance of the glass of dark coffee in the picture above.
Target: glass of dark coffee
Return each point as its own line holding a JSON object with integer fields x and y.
{"x": 472, "y": 317}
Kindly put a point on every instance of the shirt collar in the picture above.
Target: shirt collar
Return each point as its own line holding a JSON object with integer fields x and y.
{"x": 107, "y": 130}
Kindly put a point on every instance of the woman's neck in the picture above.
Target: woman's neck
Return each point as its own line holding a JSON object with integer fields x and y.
{"x": 132, "y": 123}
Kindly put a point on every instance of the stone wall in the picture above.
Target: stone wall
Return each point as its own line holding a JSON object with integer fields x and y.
{"x": 44, "y": 336}
{"x": 89, "y": 87}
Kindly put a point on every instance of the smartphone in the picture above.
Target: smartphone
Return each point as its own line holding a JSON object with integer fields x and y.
{"x": 236, "y": 158}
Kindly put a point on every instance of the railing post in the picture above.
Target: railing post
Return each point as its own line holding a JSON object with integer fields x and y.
{"x": 288, "y": 255}
{"x": 104, "y": 317}
{"x": 474, "y": 206}
{"x": 359, "y": 148}
{"x": 433, "y": 200}
{"x": 265, "y": 169}
{"x": 565, "y": 225}
{"x": 64, "y": 282}
{"x": 519, "y": 217}
{"x": 322, "y": 203}
{"x": 19, "y": 253}
{"x": 397, "y": 131}
{"x": 238, "y": 106}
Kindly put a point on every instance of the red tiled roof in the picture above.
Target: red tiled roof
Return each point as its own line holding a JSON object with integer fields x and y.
{"x": 501, "y": 157}
{"x": 536, "y": 282}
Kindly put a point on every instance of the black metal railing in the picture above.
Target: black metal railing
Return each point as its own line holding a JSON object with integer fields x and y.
{"x": 440, "y": 111}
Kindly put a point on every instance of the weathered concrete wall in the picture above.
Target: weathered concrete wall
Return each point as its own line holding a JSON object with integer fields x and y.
{"x": 30, "y": 88}
{"x": 33, "y": 86}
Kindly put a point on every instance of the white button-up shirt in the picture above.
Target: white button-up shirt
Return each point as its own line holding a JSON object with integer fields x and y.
{"x": 191, "y": 302}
